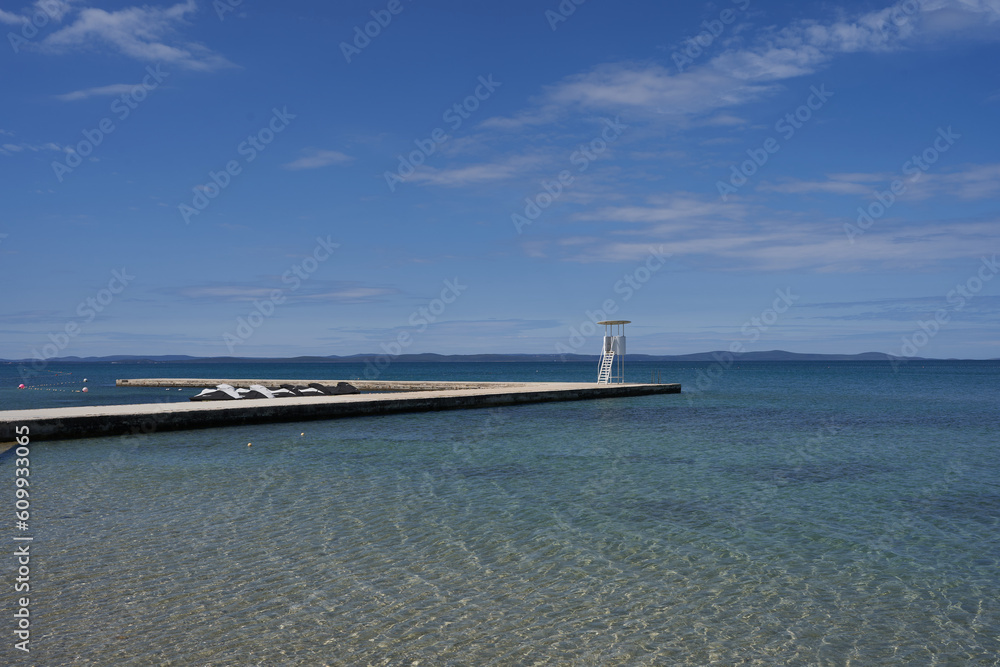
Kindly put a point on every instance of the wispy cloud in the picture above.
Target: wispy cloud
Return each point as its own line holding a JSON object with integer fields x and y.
{"x": 741, "y": 237}
{"x": 145, "y": 33}
{"x": 316, "y": 158}
{"x": 742, "y": 75}
{"x": 113, "y": 89}
{"x": 977, "y": 181}
{"x": 350, "y": 293}
{"x": 11, "y": 149}
{"x": 12, "y": 19}
{"x": 474, "y": 329}
{"x": 638, "y": 90}
{"x": 785, "y": 247}
{"x": 53, "y": 9}
{"x": 501, "y": 170}
{"x": 666, "y": 208}
{"x": 318, "y": 292}
{"x": 38, "y": 316}
{"x": 982, "y": 308}
{"x": 971, "y": 182}
{"x": 837, "y": 185}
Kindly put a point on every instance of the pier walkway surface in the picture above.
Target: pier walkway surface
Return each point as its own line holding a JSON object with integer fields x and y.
{"x": 412, "y": 396}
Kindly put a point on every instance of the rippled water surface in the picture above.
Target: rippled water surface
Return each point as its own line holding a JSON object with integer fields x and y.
{"x": 787, "y": 514}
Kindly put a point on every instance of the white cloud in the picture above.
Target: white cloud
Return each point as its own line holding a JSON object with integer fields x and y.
{"x": 502, "y": 170}
{"x": 351, "y": 294}
{"x": 10, "y": 149}
{"x": 541, "y": 116}
{"x": 741, "y": 237}
{"x": 832, "y": 186}
{"x": 40, "y": 10}
{"x": 648, "y": 90}
{"x": 977, "y": 181}
{"x": 113, "y": 89}
{"x": 738, "y": 76}
{"x": 666, "y": 208}
{"x": 56, "y": 9}
{"x": 974, "y": 182}
{"x": 970, "y": 18}
{"x": 316, "y": 158}
{"x": 318, "y": 293}
{"x": 142, "y": 33}
{"x": 790, "y": 245}
{"x": 723, "y": 119}
{"x": 228, "y": 292}
{"x": 12, "y": 19}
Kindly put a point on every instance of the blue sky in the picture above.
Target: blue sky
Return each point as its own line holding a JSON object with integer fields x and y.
{"x": 266, "y": 179}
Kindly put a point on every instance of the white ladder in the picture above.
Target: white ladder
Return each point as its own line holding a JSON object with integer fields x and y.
{"x": 607, "y": 361}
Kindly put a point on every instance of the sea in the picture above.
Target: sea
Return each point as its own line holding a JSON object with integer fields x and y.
{"x": 773, "y": 513}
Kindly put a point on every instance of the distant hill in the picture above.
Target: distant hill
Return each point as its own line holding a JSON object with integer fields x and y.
{"x": 780, "y": 355}
{"x": 772, "y": 355}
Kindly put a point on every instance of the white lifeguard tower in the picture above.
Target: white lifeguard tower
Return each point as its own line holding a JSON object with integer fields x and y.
{"x": 614, "y": 349}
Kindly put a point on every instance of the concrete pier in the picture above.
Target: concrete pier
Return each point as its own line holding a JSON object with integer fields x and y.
{"x": 110, "y": 420}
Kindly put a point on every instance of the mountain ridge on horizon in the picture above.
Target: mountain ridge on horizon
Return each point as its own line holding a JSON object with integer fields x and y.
{"x": 427, "y": 357}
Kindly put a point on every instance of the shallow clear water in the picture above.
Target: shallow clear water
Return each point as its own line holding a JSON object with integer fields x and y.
{"x": 789, "y": 513}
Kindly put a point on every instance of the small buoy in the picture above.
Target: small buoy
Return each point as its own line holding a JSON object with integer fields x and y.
{"x": 20, "y": 386}
{"x": 249, "y": 444}
{"x": 84, "y": 379}
{"x": 84, "y": 390}
{"x": 301, "y": 433}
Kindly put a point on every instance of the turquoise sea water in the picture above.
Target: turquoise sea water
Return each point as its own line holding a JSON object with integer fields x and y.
{"x": 786, "y": 513}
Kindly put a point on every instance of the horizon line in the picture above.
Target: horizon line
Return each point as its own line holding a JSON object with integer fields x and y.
{"x": 716, "y": 355}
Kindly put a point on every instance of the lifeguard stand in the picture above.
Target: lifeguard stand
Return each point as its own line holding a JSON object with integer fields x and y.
{"x": 614, "y": 350}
